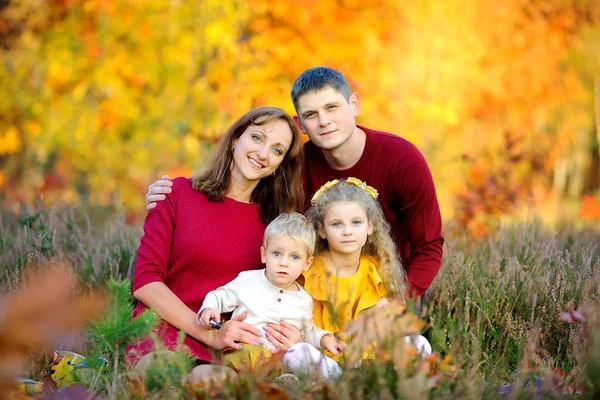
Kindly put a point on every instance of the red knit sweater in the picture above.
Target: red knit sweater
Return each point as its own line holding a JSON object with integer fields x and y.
{"x": 397, "y": 169}
{"x": 194, "y": 246}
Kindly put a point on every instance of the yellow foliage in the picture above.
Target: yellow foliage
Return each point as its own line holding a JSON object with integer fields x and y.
{"x": 379, "y": 333}
{"x": 120, "y": 87}
{"x": 10, "y": 141}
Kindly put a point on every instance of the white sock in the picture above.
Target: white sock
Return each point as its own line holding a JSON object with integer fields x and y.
{"x": 423, "y": 346}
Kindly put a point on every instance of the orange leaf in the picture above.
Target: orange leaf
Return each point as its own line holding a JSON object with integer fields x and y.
{"x": 590, "y": 208}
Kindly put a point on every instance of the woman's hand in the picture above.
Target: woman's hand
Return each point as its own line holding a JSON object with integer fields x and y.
{"x": 234, "y": 332}
{"x": 157, "y": 190}
{"x": 283, "y": 335}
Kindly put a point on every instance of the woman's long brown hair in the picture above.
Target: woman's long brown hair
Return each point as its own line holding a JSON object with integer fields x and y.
{"x": 273, "y": 194}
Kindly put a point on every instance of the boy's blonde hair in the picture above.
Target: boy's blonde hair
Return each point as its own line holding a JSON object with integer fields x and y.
{"x": 294, "y": 225}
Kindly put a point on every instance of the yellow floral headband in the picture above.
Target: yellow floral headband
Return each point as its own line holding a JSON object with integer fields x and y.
{"x": 354, "y": 181}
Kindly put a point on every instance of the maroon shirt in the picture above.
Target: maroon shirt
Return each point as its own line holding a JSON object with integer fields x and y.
{"x": 398, "y": 170}
{"x": 194, "y": 246}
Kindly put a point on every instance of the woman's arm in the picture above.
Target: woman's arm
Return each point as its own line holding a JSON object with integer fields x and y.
{"x": 157, "y": 296}
{"x": 150, "y": 273}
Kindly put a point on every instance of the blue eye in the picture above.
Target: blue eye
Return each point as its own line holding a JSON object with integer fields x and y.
{"x": 356, "y": 222}
{"x": 336, "y": 224}
{"x": 295, "y": 257}
{"x": 276, "y": 253}
{"x": 277, "y": 151}
{"x": 308, "y": 115}
{"x": 256, "y": 138}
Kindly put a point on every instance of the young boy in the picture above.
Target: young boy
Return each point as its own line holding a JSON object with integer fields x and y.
{"x": 271, "y": 295}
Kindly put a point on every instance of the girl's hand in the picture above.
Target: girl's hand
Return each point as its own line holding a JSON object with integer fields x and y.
{"x": 157, "y": 190}
{"x": 382, "y": 303}
{"x": 332, "y": 344}
{"x": 282, "y": 336}
{"x": 234, "y": 332}
{"x": 205, "y": 317}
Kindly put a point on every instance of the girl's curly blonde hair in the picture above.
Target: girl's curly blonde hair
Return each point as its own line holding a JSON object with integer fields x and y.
{"x": 379, "y": 244}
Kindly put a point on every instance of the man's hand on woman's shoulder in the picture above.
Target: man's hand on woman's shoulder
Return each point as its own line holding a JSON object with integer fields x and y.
{"x": 157, "y": 191}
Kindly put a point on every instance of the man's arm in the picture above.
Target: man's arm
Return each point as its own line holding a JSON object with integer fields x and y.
{"x": 421, "y": 211}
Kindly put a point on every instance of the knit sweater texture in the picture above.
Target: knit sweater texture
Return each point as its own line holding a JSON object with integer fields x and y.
{"x": 398, "y": 170}
{"x": 194, "y": 246}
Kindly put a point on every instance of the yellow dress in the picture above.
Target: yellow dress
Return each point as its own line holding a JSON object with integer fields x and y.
{"x": 338, "y": 300}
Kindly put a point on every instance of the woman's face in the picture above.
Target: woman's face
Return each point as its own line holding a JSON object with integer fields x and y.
{"x": 259, "y": 151}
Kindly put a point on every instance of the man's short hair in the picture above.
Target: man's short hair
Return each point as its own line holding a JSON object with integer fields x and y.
{"x": 317, "y": 78}
{"x": 294, "y": 225}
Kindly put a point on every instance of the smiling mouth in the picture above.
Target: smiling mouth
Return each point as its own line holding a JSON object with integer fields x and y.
{"x": 255, "y": 163}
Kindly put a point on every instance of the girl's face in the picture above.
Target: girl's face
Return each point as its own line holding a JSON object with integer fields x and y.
{"x": 346, "y": 227}
{"x": 260, "y": 150}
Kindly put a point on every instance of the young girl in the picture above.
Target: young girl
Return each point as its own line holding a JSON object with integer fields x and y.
{"x": 356, "y": 266}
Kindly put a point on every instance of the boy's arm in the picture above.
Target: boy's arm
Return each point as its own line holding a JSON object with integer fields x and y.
{"x": 313, "y": 335}
{"x": 226, "y": 298}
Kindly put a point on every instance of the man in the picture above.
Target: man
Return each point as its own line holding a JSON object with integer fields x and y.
{"x": 338, "y": 148}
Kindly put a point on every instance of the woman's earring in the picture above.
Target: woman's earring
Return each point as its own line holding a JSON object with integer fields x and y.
{"x": 273, "y": 173}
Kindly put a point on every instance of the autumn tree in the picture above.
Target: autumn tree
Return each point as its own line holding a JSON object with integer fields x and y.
{"x": 98, "y": 98}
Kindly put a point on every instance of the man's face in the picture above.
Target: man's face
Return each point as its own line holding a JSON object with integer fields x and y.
{"x": 327, "y": 118}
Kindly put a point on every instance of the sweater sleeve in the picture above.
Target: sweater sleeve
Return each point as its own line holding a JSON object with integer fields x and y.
{"x": 312, "y": 334}
{"x": 226, "y": 298}
{"x": 155, "y": 245}
{"x": 420, "y": 207}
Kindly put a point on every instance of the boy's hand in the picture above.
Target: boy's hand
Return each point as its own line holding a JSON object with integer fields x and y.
{"x": 382, "y": 303}
{"x": 205, "y": 316}
{"x": 332, "y": 344}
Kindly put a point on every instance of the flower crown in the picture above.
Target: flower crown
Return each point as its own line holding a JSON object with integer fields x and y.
{"x": 354, "y": 181}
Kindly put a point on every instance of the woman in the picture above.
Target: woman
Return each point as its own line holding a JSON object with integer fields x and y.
{"x": 210, "y": 229}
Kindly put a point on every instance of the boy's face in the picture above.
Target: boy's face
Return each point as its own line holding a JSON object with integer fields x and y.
{"x": 327, "y": 118}
{"x": 285, "y": 259}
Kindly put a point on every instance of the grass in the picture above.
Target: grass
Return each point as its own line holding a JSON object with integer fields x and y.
{"x": 492, "y": 314}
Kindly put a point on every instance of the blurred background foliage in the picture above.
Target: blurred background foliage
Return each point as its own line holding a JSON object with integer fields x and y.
{"x": 99, "y": 98}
